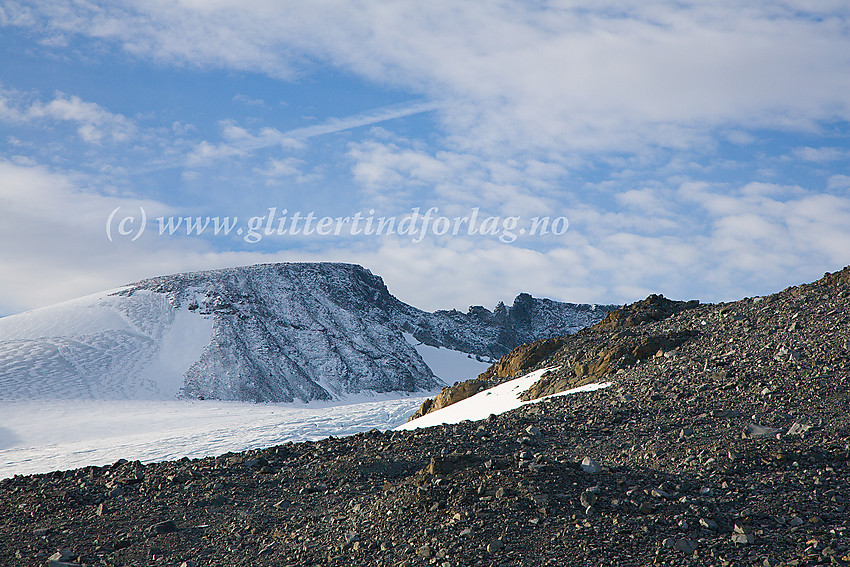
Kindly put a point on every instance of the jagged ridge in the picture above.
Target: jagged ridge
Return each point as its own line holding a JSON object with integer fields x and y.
{"x": 273, "y": 332}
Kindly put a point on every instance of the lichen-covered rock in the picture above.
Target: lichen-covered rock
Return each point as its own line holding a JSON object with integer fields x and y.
{"x": 654, "y": 308}
{"x": 450, "y": 395}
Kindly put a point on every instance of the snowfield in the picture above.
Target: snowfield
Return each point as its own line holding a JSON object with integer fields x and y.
{"x": 100, "y": 346}
{"x": 39, "y": 436}
{"x": 43, "y": 436}
{"x": 448, "y": 365}
{"x": 115, "y": 375}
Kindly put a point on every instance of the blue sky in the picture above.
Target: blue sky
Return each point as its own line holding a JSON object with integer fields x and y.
{"x": 698, "y": 149}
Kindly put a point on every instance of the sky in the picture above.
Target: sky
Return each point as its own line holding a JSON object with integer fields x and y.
{"x": 583, "y": 151}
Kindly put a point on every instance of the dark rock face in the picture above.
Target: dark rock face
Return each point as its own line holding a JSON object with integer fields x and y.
{"x": 493, "y": 334}
{"x": 283, "y": 332}
{"x": 731, "y": 448}
{"x": 295, "y": 331}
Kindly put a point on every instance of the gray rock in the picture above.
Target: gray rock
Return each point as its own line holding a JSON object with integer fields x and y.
{"x": 61, "y": 555}
{"x": 165, "y": 527}
{"x": 658, "y": 493}
{"x": 742, "y": 539}
{"x": 590, "y": 466}
{"x": 495, "y": 545}
{"x": 62, "y": 558}
{"x": 753, "y": 430}
{"x": 587, "y": 499}
{"x": 686, "y": 546}
{"x": 540, "y": 499}
{"x": 798, "y": 429}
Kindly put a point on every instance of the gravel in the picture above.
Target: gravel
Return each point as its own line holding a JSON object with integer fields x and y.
{"x": 730, "y": 450}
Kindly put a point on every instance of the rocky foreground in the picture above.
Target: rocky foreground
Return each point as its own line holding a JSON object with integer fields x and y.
{"x": 724, "y": 440}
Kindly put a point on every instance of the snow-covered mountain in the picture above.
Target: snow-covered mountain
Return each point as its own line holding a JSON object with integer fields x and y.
{"x": 276, "y": 332}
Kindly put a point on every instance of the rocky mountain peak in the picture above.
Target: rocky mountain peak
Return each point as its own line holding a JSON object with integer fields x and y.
{"x": 270, "y": 332}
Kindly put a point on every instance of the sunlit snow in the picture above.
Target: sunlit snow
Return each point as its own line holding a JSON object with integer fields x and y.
{"x": 45, "y": 435}
{"x": 496, "y": 400}
{"x": 102, "y": 346}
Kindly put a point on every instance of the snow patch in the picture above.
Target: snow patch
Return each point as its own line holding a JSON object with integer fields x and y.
{"x": 496, "y": 400}
{"x": 182, "y": 345}
{"x": 448, "y": 365}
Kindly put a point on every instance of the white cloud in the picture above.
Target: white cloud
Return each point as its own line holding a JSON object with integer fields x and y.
{"x": 54, "y": 231}
{"x": 248, "y": 101}
{"x": 240, "y": 142}
{"x": 276, "y": 171}
{"x": 750, "y": 243}
{"x": 838, "y": 182}
{"x": 517, "y": 75}
{"x": 529, "y": 97}
{"x": 94, "y": 123}
{"x": 205, "y": 153}
{"x": 820, "y": 154}
{"x": 283, "y": 168}
{"x": 392, "y": 172}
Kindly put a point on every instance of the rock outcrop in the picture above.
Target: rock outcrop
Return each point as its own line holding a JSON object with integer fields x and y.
{"x": 584, "y": 366}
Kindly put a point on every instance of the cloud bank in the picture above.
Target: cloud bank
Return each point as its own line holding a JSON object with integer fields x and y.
{"x": 699, "y": 148}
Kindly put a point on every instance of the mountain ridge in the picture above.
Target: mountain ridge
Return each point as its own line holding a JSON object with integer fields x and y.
{"x": 730, "y": 448}
{"x": 264, "y": 333}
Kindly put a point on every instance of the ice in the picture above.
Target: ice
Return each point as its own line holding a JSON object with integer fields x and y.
{"x": 38, "y": 436}
{"x": 96, "y": 379}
